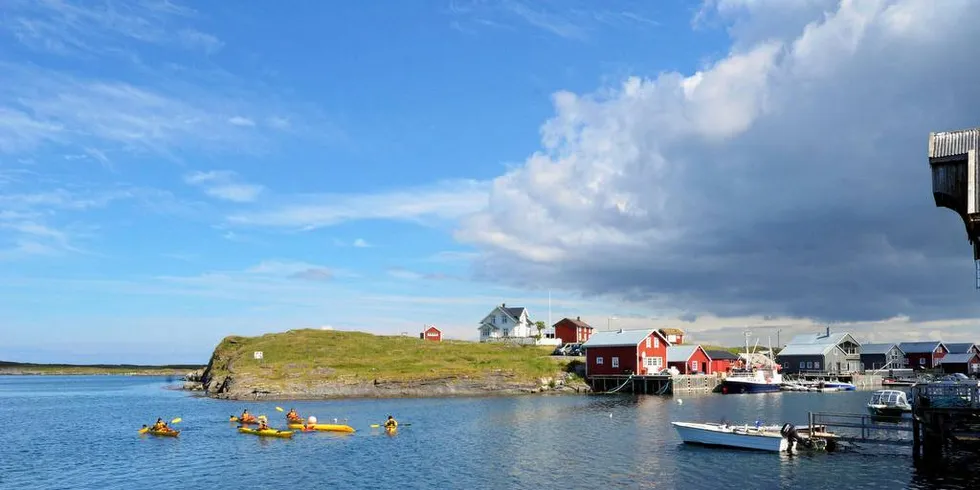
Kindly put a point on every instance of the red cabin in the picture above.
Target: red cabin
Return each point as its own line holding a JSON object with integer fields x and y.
{"x": 625, "y": 352}
{"x": 721, "y": 360}
{"x": 924, "y": 355}
{"x": 431, "y": 333}
{"x": 689, "y": 359}
{"x": 572, "y": 331}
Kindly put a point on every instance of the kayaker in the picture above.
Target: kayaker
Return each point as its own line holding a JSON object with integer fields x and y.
{"x": 159, "y": 425}
{"x": 391, "y": 423}
{"x": 292, "y": 415}
{"x": 245, "y": 416}
{"x": 263, "y": 425}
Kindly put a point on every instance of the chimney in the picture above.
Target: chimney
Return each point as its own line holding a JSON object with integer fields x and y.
{"x": 828, "y": 331}
{"x": 503, "y": 305}
{"x": 620, "y": 330}
{"x": 578, "y": 318}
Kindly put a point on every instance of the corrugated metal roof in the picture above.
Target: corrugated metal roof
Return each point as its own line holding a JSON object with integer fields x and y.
{"x": 617, "y": 338}
{"x": 806, "y": 350}
{"x": 680, "y": 353}
{"x": 718, "y": 355}
{"x": 951, "y": 143}
{"x": 876, "y": 348}
{"x": 919, "y": 347}
{"x": 957, "y": 358}
{"x": 959, "y": 347}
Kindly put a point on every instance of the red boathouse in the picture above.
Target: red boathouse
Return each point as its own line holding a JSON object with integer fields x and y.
{"x": 625, "y": 352}
{"x": 688, "y": 359}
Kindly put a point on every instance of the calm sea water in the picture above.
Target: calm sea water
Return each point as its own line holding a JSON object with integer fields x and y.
{"x": 80, "y": 432}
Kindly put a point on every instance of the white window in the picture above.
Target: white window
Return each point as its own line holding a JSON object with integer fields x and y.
{"x": 598, "y": 361}
{"x": 656, "y": 342}
{"x": 615, "y": 362}
{"x": 649, "y": 343}
{"x": 802, "y": 364}
{"x": 816, "y": 364}
{"x": 653, "y": 362}
{"x": 694, "y": 365}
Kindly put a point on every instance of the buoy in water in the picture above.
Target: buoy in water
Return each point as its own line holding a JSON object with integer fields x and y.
{"x": 679, "y": 401}
{"x": 311, "y": 420}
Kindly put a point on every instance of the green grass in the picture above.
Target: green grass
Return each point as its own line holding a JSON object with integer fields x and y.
{"x": 356, "y": 357}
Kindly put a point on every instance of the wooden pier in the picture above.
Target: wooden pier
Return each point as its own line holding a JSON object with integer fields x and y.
{"x": 652, "y": 384}
{"x": 861, "y": 428}
{"x": 946, "y": 418}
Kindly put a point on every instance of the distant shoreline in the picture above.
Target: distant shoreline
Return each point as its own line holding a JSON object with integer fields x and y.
{"x": 34, "y": 369}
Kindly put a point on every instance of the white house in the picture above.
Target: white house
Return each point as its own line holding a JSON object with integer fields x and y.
{"x": 504, "y": 322}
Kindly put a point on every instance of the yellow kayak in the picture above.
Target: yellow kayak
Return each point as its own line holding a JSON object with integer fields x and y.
{"x": 322, "y": 427}
{"x": 252, "y": 421}
{"x": 285, "y": 434}
{"x": 162, "y": 433}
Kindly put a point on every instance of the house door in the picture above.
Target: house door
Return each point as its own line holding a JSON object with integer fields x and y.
{"x": 704, "y": 367}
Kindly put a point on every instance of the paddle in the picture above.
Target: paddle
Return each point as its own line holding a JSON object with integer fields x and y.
{"x": 375, "y": 426}
{"x": 279, "y": 409}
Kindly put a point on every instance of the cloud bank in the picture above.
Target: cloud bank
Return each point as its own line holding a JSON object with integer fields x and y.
{"x": 787, "y": 178}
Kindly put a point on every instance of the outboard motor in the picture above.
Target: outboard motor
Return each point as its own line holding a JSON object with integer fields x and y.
{"x": 790, "y": 433}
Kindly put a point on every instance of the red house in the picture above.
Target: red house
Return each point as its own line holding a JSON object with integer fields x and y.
{"x": 924, "y": 355}
{"x": 572, "y": 331}
{"x": 721, "y": 360}
{"x": 673, "y": 335}
{"x": 625, "y": 352}
{"x": 689, "y": 359}
{"x": 431, "y": 333}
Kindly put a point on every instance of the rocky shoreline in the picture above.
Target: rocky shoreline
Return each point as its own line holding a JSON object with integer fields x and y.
{"x": 234, "y": 387}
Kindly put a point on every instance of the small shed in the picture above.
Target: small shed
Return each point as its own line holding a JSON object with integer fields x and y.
{"x": 673, "y": 335}
{"x": 721, "y": 360}
{"x": 968, "y": 363}
{"x": 689, "y": 359}
{"x": 625, "y": 352}
{"x": 431, "y": 333}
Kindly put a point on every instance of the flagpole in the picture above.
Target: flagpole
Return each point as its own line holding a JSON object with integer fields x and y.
{"x": 549, "y": 309}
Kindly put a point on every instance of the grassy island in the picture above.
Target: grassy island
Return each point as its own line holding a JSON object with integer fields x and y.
{"x": 327, "y": 363}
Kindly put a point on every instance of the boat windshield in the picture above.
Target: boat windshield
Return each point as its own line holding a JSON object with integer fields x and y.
{"x": 887, "y": 397}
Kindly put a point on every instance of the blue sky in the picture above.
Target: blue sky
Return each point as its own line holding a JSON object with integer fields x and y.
{"x": 177, "y": 172}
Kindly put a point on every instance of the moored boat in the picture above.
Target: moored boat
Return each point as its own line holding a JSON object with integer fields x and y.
{"x": 752, "y": 381}
{"x": 889, "y": 403}
{"x": 761, "y": 438}
{"x": 840, "y": 385}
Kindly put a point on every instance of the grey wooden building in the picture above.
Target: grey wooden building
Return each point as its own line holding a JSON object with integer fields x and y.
{"x": 824, "y": 352}
{"x": 883, "y": 356}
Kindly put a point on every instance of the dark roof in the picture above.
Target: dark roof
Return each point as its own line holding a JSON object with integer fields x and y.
{"x": 576, "y": 321}
{"x": 719, "y": 355}
{"x": 671, "y": 331}
{"x": 514, "y": 312}
{"x": 957, "y": 358}
{"x": 877, "y": 348}
{"x": 959, "y": 347}
{"x": 919, "y": 347}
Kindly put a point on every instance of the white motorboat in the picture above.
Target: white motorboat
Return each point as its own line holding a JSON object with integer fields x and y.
{"x": 889, "y": 403}
{"x": 740, "y": 436}
{"x": 771, "y": 438}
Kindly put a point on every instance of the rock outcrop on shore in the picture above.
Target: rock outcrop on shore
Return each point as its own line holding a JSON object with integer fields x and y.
{"x": 418, "y": 369}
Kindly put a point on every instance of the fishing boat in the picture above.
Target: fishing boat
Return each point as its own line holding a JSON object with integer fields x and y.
{"x": 889, "y": 403}
{"x": 897, "y": 382}
{"x": 762, "y": 378}
{"x": 758, "y": 437}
